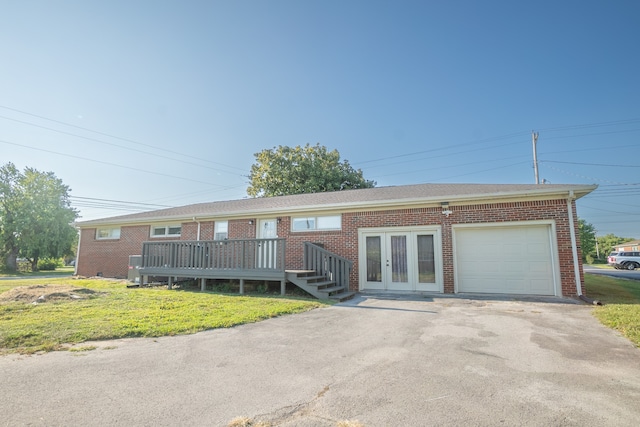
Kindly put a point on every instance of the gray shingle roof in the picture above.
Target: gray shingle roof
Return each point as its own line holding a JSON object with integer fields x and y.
{"x": 363, "y": 198}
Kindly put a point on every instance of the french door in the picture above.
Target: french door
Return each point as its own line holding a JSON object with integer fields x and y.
{"x": 400, "y": 260}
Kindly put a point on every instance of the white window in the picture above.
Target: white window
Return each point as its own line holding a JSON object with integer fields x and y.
{"x": 221, "y": 231}
{"x": 166, "y": 231}
{"x": 108, "y": 233}
{"x": 329, "y": 222}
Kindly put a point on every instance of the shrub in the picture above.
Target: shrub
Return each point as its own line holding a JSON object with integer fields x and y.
{"x": 48, "y": 264}
{"x": 224, "y": 287}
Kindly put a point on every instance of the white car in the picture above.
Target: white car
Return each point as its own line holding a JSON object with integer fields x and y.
{"x": 624, "y": 260}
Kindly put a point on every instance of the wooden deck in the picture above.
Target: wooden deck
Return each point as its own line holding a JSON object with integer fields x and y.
{"x": 241, "y": 259}
{"x": 325, "y": 275}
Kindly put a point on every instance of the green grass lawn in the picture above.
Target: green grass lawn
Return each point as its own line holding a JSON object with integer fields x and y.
{"x": 621, "y": 299}
{"x": 111, "y": 310}
{"x": 60, "y": 271}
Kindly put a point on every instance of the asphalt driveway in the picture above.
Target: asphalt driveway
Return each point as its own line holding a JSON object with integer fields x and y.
{"x": 385, "y": 361}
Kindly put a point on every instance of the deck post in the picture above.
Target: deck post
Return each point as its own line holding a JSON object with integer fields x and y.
{"x": 241, "y": 286}
{"x": 170, "y": 283}
{"x": 145, "y": 280}
{"x": 283, "y": 286}
{"x": 203, "y": 284}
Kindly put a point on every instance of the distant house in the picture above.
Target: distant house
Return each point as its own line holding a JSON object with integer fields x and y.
{"x": 628, "y": 246}
{"x": 442, "y": 238}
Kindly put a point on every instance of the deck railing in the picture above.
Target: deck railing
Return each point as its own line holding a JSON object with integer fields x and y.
{"x": 208, "y": 255}
{"x": 325, "y": 263}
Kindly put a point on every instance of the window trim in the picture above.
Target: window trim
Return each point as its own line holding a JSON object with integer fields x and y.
{"x": 166, "y": 231}
{"x": 216, "y": 228}
{"x": 316, "y": 221}
{"x": 111, "y": 230}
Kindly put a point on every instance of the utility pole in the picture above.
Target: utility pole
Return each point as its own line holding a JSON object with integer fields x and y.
{"x": 534, "y": 139}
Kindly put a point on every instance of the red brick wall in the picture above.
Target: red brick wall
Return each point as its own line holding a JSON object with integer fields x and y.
{"x": 242, "y": 229}
{"x": 190, "y": 231}
{"x": 111, "y": 256}
{"x": 345, "y": 242}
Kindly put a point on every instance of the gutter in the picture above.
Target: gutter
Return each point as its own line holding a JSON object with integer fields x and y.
{"x": 574, "y": 250}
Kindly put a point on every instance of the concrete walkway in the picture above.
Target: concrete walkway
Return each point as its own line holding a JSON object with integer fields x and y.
{"x": 384, "y": 360}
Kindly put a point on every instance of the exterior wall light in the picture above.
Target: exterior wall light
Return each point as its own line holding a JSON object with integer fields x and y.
{"x": 445, "y": 209}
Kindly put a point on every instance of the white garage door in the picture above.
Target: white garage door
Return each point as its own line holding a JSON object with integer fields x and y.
{"x": 499, "y": 259}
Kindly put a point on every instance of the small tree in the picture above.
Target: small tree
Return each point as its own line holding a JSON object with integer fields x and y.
{"x": 587, "y": 240}
{"x": 35, "y": 216}
{"x": 295, "y": 170}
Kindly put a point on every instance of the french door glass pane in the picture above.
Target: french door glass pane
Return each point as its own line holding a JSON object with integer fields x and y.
{"x": 399, "y": 271}
{"x": 374, "y": 259}
{"x": 426, "y": 262}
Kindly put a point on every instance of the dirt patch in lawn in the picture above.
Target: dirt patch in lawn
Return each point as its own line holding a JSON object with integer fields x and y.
{"x": 39, "y": 294}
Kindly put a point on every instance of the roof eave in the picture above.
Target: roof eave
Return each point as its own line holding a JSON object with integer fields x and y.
{"x": 544, "y": 193}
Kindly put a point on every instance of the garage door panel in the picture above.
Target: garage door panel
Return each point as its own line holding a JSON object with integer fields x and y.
{"x": 511, "y": 249}
{"x": 513, "y": 267}
{"x": 539, "y": 286}
{"x": 505, "y": 259}
{"x": 489, "y": 285}
{"x": 486, "y": 267}
{"x": 538, "y": 250}
{"x": 539, "y": 267}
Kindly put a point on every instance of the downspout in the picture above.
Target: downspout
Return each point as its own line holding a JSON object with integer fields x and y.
{"x": 574, "y": 243}
{"x": 75, "y": 267}
{"x": 198, "y": 233}
{"x": 574, "y": 250}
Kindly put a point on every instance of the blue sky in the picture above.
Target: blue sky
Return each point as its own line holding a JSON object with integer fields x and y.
{"x": 164, "y": 103}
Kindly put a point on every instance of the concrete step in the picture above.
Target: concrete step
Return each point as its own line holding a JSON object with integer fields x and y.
{"x": 343, "y": 296}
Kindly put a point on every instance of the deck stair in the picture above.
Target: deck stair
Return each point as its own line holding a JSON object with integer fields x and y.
{"x": 318, "y": 286}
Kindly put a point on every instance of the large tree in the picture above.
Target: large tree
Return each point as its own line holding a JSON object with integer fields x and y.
{"x": 9, "y": 211}
{"x": 286, "y": 170}
{"x": 35, "y": 216}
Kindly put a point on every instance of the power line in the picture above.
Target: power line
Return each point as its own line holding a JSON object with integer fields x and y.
{"x": 115, "y": 137}
{"x": 497, "y": 138}
{"x": 445, "y": 155}
{"x": 517, "y": 134}
{"x": 429, "y": 169}
{"x": 108, "y": 163}
{"x": 609, "y": 211}
{"x": 583, "y": 176}
{"x": 117, "y": 145}
{"x": 93, "y": 199}
{"x": 589, "y": 125}
{"x": 485, "y": 170}
{"x": 590, "y": 164}
{"x": 592, "y": 134}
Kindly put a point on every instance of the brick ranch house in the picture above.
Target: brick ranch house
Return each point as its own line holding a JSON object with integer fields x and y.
{"x": 443, "y": 238}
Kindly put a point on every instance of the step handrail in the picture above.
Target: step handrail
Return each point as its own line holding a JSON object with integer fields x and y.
{"x": 327, "y": 264}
